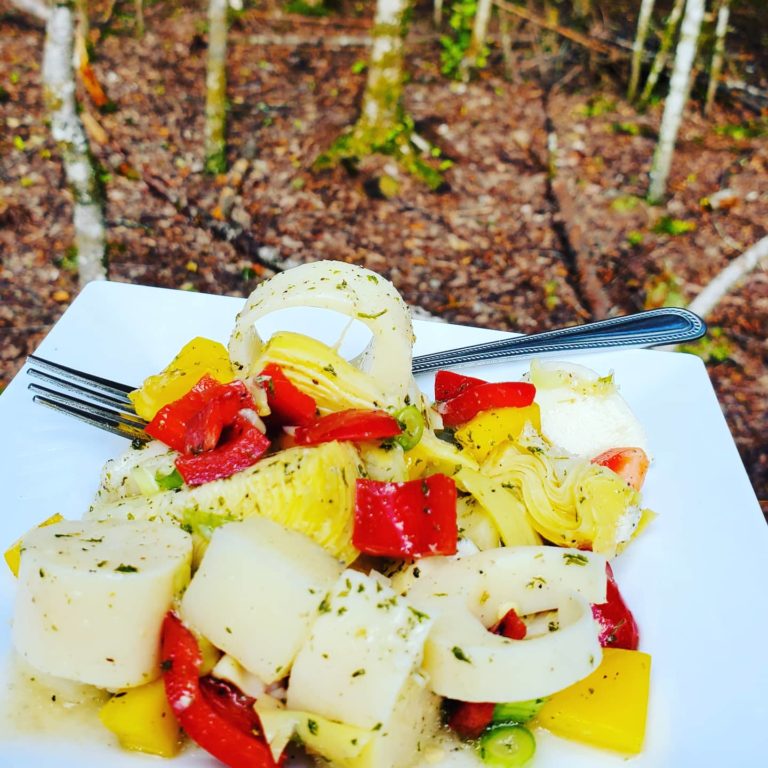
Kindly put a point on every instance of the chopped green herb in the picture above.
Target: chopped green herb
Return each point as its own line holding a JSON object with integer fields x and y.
{"x": 460, "y": 655}
{"x": 571, "y": 559}
{"x": 366, "y": 316}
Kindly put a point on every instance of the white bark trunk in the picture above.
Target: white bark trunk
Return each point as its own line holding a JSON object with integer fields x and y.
{"x": 383, "y": 87}
{"x": 216, "y": 87}
{"x": 638, "y": 47}
{"x": 437, "y": 13}
{"x": 674, "y": 107}
{"x": 83, "y": 22}
{"x": 138, "y": 7}
{"x": 718, "y": 54}
{"x": 660, "y": 60}
{"x": 37, "y": 8}
{"x": 739, "y": 268}
{"x": 479, "y": 34}
{"x": 67, "y": 130}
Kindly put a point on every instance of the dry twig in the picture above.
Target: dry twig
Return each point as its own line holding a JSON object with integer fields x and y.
{"x": 737, "y": 270}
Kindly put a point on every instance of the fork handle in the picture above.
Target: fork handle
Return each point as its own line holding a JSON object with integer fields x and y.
{"x": 668, "y": 325}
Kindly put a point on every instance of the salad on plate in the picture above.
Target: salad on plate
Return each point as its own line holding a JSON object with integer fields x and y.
{"x": 312, "y": 555}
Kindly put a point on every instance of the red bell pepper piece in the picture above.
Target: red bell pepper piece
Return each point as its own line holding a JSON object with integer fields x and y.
{"x": 618, "y": 628}
{"x": 407, "y": 519}
{"x": 470, "y": 718}
{"x": 449, "y": 384}
{"x": 355, "y": 424}
{"x": 243, "y": 445}
{"x": 511, "y": 626}
{"x": 204, "y": 428}
{"x": 204, "y": 724}
{"x": 288, "y": 404}
{"x": 170, "y": 423}
{"x": 483, "y": 397}
{"x": 631, "y": 464}
{"x": 231, "y": 703}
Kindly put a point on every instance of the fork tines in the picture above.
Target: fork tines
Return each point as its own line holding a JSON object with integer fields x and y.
{"x": 95, "y": 400}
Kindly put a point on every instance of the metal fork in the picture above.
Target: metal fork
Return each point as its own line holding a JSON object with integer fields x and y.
{"x": 105, "y": 403}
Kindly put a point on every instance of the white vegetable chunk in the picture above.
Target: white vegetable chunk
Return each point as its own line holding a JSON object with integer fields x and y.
{"x": 582, "y": 413}
{"x": 363, "y": 647}
{"x": 256, "y": 593}
{"x": 467, "y": 594}
{"x": 92, "y": 595}
{"x": 410, "y": 732}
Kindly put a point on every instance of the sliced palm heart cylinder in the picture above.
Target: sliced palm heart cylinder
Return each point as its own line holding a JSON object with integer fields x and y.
{"x": 92, "y": 595}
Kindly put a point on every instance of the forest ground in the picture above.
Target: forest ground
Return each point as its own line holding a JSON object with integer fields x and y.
{"x": 504, "y": 245}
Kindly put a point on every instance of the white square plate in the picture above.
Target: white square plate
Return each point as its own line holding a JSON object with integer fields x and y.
{"x": 696, "y": 580}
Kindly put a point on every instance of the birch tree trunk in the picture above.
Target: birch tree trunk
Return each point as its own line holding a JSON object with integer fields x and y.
{"x": 638, "y": 47}
{"x": 216, "y": 88}
{"x": 718, "y": 54}
{"x": 475, "y": 53}
{"x": 383, "y": 126}
{"x": 660, "y": 60}
{"x": 679, "y": 87}
{"x": 138, "y": 7}
{"x": 83, "y": 21}
{"x": 38, "y": 8}
{"x": 67, "y": 131}
{"x": 437, "y": 13}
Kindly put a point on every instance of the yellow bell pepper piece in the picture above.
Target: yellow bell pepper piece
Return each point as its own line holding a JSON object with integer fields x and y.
{"x": 142, "y": 720}
{"x": 608, "y": 708}
{"x": 196, "y": 358}
{"x": 480, "y": 435}
{"x": 13, "y": 553}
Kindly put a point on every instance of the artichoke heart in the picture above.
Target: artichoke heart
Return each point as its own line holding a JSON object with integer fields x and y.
{"x": 570, "y": 502}
{"x": 320, "y": 371}
{"x": 310, "y": 490}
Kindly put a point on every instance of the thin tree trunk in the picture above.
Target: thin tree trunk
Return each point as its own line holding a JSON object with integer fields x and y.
{"x": 139, "y": 10}
{"x": 67, "y": 130}
{"x": 718, "y": 54}
{"x": 383, "y": 126}
{"x": 679, "y": 87}
{"x": 474, "y": 53}
{"x": 638, "y": 48}
{"x": 437, "y": 13}
{"x": 660, "y": 60}
{"x": 38, "y": 8}
{"x": 384, "y": 85}
{"x": 83, "y": 22}
{"x": 505, "y": 37}
{"x": 216, "y": 88}
{"x": 739, "y": 268}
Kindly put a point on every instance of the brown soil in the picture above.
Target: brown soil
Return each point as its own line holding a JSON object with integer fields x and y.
{"x": 501, "y": 246}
